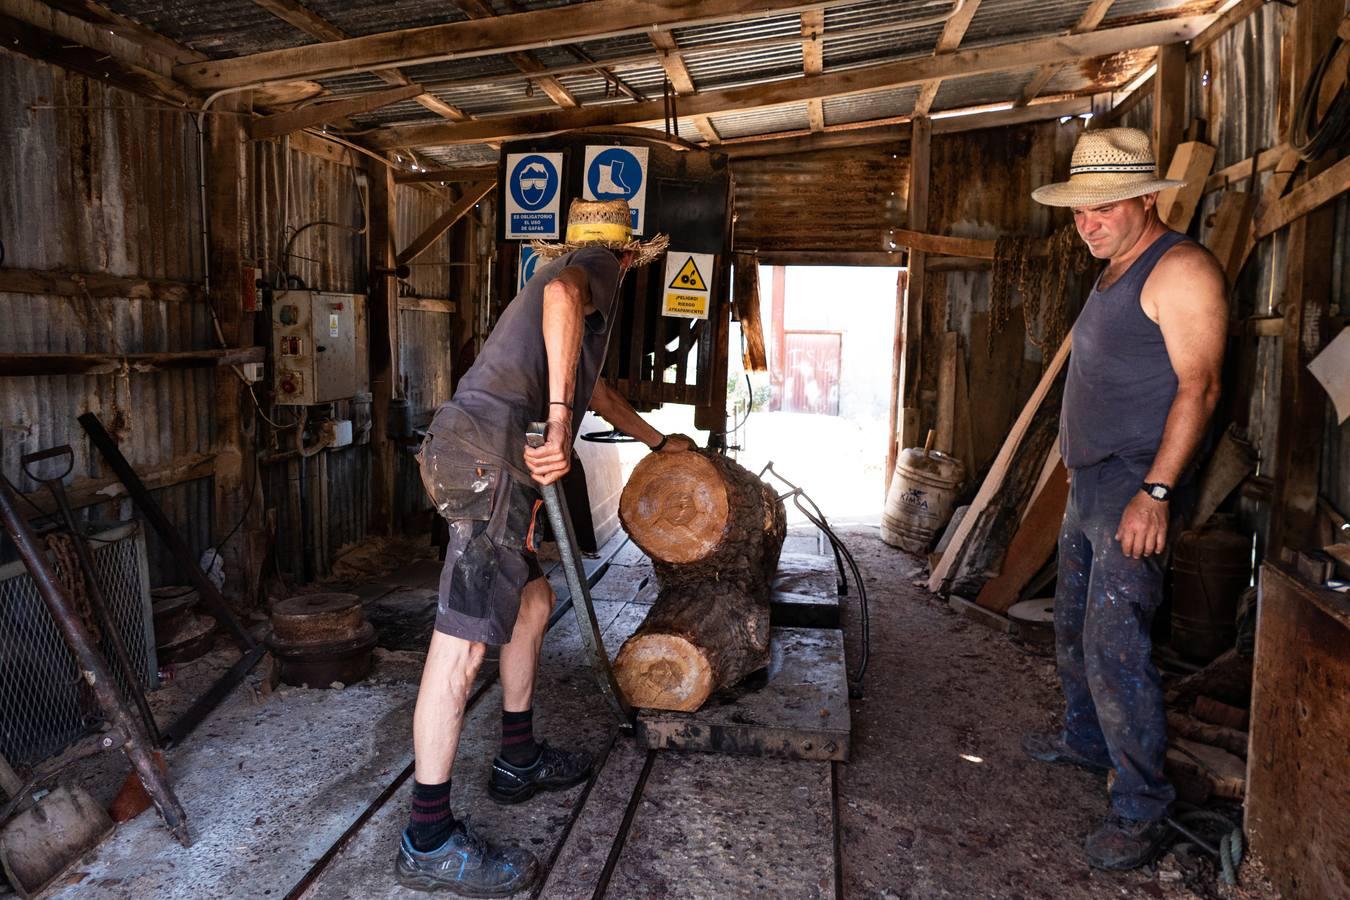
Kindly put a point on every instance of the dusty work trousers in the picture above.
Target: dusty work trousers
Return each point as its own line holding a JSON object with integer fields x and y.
{"x": 1104, "y": 606}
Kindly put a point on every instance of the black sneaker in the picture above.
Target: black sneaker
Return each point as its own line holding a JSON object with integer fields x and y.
{"x": 1052, "y": 749}
{"x": 467, "y": 865}
{"x": 552, "y": 771}
{"x": 1120, "y": 843}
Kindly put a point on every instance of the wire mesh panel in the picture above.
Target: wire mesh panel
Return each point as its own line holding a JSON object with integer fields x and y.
{"x": 44, "y": 702}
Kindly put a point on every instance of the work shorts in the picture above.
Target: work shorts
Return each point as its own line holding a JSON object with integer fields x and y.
{"x": 491, "y": 555}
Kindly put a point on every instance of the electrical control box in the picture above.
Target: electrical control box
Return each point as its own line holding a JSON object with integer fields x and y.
{"x": 314, "y": 346}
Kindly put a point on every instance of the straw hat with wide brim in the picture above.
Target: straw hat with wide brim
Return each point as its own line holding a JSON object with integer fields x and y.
{"x": 603, "y": 223}
{"x": 1108, "y": 165}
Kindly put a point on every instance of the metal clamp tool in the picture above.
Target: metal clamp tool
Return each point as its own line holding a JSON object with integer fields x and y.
{"x": 556, "y": 505}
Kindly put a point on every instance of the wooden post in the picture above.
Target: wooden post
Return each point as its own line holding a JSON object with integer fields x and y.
{"x": 385, "y": 383}
{"x": 1169, "y": 103}
{"x": 910, "y": 375}
{"x": 237, "y": 507}
{"x": 1298, "y": 446}
{"x": 778, "y": 364}
{"x": 897, "y": 365}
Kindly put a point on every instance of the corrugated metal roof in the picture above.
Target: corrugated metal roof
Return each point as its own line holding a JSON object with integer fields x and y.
{"x": 1001, "y": 21}
{"x": 721, "y": 32}
{"x": 215, "y": 27}
{"x": 978, "y": 90}
{"x": 866, "y": 107}
{"x": 372, "y": 18}
{"x": 488, "y": 86}
{"x": 1095, "y": 76}
{"x": 1124, "y": 11}
{"x": 762, "y": 121}
{"x": 721, "y": 68}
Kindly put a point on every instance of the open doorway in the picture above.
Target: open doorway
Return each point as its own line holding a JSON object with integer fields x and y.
{"x": 822, "y": 411}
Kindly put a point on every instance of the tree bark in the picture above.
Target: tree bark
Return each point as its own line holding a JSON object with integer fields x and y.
{"x": 714, "y": 532}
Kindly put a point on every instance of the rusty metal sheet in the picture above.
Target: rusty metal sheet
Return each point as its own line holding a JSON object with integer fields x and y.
{"x": 830, "y": 200}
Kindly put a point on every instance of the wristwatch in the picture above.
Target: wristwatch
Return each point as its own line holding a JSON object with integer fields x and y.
{"x": 1157, "y": 490}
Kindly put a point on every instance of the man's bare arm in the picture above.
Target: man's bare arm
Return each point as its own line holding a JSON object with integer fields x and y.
{"x": 1187, "y": 296}
{"x": 566, "y": 304}
{"x": 1194, "y": 323}
{"x": 617, "y": 411}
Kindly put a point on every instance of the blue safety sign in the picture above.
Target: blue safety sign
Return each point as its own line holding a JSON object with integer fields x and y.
{"x": 618, "y": 173}
{"x": 529, "y": 261}
{"x": 533, "y": 198}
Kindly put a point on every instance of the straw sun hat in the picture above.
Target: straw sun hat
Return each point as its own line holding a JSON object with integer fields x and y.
{"x": 1108, "y": 165}
{"x": 603, "y": 223}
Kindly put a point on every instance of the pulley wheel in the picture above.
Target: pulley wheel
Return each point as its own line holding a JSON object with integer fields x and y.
{"x": 317, "y": 618}
{"x": 1033, "y": 625}
{"x": 318, "y": 665}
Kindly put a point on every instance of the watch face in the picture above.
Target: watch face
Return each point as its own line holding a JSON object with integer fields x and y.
{"x": 1158, "y": 492}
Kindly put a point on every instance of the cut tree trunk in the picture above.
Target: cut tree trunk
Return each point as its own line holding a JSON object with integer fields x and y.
{"x": 714, "y": 533}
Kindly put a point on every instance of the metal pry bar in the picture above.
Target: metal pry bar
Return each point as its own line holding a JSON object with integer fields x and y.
{"x": 556, "y": 505}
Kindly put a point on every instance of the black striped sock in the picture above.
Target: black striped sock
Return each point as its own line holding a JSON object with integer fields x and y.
{"x": 431, "y": 823}
{"x": 518, "y": 745}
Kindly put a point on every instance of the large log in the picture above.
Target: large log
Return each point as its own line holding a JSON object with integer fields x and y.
{"x": 714, "y": 533}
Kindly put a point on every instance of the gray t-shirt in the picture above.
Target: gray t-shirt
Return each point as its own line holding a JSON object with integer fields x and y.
{"x": 507, "y": 386}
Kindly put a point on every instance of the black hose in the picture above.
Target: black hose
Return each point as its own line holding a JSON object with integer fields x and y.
{"x": 842, "y": 555}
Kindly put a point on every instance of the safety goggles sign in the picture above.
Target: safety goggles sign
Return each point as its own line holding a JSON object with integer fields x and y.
{"x": 529, "y": 261}
{"x": 618, "y": 173}
{"x": 687, "y": 285}
{"x": 533, "y": 199}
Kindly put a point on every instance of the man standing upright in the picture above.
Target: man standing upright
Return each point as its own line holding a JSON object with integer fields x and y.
{"x": 1143, "y": 380}
{"x": 542, "y": 360}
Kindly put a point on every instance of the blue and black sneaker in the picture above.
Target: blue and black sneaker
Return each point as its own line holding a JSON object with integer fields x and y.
{"x": 554, "y": 770}
{"x": 467, "y": 865}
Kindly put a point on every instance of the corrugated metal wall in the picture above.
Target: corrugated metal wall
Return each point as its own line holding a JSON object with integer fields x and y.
{"x": 108, "y": 183}
{"x": 980, "y": 187}
{"x": 105, "y": 183}
{"x": 428, "y": 339}
{"x": 1235, "y": 86}
{"x": 828, "y": 200}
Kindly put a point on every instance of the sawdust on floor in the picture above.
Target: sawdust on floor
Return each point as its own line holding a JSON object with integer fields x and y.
{"x": 938, "y": 799}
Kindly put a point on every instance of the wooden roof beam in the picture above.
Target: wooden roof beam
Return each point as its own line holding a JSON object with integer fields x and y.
{"x": 896, "y": 130}
{"x": 420, "y": 244}
{"x": 1089, "y": 22}
{"x": 813, "y": 62}
{"x": 127, "y": 29}
{"x": 480, "y": 37}
{"x": 671, "y": 60}
{"x": 324, "y": 113}
{"x": 525, "y": 62}
{"x": 315, "y": 25}
{"x": 677, "y": 73}
{"x": 460, "y": 173}
{"x": 958, "y": 63}
{"x": 952, "y": 35}
{"x": 107, "y": 59}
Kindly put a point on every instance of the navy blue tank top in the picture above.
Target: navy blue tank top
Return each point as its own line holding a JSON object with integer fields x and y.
{"x": 1120, "y": 384}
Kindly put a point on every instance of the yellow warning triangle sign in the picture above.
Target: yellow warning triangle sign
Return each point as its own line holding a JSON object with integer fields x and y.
{"x": 689, "y": 278}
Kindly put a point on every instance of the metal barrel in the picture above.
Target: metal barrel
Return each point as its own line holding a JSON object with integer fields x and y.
{"x": 921, "y": 498}
{"x": 1211, "y": 567}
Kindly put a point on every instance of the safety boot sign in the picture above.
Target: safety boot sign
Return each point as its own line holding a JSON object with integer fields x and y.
{"x": 687, "y": 282}
{"x": 532, "y": 195}
{"x": 618, "y": 173}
